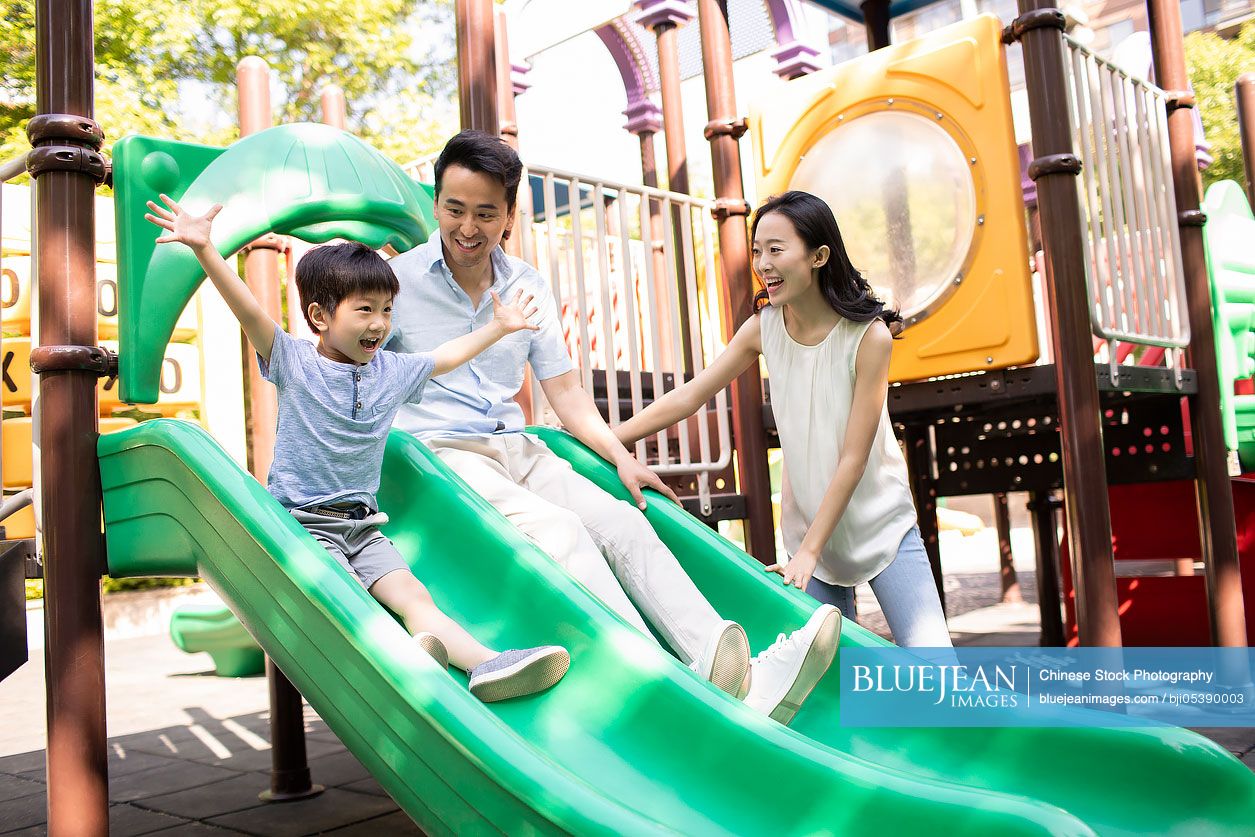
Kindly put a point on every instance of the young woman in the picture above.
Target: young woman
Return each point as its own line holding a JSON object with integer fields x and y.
{"x": 847, "y": 510}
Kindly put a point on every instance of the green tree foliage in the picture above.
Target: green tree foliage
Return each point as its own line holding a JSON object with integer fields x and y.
{"x": 169, "y": 69}
{"x": 1214, "y": 66}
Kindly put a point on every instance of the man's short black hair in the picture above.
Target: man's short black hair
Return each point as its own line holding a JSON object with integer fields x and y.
{"x": 481, "y": 152}
{"x": 327, "y": 275}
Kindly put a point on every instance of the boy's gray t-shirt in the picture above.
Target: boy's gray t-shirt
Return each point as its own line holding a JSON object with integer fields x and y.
{"x": 334, "y": 420}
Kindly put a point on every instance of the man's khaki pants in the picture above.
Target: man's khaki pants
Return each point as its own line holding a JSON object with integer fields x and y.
{"x": 604, "y": 543}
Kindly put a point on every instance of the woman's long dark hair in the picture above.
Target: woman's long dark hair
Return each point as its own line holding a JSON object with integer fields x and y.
{"x": 842, "y": 285}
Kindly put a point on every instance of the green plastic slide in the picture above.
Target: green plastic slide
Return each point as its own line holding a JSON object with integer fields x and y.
{"x": 629, "y": 743}
{"x": 1162, "y": 780}
{"x": 216, "y": 631}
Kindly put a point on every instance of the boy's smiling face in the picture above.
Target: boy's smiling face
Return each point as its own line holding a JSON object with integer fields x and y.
{"x": 357, "y": 329}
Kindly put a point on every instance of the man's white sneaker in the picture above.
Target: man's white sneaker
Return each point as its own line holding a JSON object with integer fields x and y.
{"x": 783, "y": 676}
{"x": 725, "y": 659}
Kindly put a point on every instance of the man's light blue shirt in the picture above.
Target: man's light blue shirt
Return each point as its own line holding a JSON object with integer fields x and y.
{"x": 477, "y": 397}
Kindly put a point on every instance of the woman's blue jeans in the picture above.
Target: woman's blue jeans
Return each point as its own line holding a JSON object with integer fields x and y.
{"x": 907, "y": 595}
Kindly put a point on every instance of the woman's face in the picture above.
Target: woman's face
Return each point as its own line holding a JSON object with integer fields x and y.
{"x": 782, "y": 260}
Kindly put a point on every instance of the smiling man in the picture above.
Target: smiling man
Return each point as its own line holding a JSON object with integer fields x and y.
{"x": 470, "y": 420}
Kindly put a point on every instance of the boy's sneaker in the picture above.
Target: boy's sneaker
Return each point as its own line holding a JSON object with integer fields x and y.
{"x": 516, "y": 673}
{"x": 431, "y": 644}
{"x": 726, "y": 659}
{"x": 784, "y": 674}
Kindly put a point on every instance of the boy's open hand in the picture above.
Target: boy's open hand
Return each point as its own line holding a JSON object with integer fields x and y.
{"x": 182, "y": 226}
{"x": 516, "y": 316}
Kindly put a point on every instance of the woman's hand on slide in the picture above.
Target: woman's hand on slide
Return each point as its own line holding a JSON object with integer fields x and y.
{"x": 636, "y": 476}
{"x": 798, "y": 571}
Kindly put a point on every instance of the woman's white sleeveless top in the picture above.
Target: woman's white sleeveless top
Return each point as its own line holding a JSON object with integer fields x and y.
{"x": 812, "y": 389}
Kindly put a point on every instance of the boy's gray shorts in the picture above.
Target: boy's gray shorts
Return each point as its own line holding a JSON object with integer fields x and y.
{"x": 358, "y": 545}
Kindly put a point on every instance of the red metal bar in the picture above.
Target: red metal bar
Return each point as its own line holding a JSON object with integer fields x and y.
{"x": 747, "y": 391}
{"x": 261, "y": 272}
{"x": 1215, "y": 494}
{"x": 1080, "y": 412}
{"x": 334, "y": 108}
{"x": 74, "y": 556}
{"x": 477, "y": 60}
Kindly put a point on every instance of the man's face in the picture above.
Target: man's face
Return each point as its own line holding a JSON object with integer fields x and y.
{"x": 472, "y": 214}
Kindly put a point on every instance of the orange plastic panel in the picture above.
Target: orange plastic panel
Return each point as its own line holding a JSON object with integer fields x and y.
{"x": 952, "y": 85}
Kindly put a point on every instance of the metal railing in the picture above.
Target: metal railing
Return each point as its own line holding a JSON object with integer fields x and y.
{"x": 634, "y": 274}
{"x": 1129, "y": 217}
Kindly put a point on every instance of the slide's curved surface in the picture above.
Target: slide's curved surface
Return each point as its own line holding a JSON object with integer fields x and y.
{"x": 1161, "y": 780}
{"x": 629, "y": 743}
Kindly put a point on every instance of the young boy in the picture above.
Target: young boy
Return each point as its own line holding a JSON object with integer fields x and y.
{"x": 336, "y": 405}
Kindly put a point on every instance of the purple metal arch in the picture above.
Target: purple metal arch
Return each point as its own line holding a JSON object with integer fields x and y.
{"x": 793, "y": 57}
{"x": 629, "y": 56}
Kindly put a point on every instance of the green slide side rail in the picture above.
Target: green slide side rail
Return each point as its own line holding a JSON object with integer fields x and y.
{"x": 311, "y": 181}
{"x": 629, "y": 743}
{"x": 1160, "y": 780}
{"x": 1228, "y": 236}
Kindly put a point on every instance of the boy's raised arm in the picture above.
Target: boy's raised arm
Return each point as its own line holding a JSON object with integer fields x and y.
{"x": 193, "y": 230}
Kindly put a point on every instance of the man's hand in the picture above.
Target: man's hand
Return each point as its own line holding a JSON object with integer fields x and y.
{"x": 182, "y": 226}
{"x": 636, "y": 476}
{"x": 516, "y": 316}
{"x": 799, "y": 570}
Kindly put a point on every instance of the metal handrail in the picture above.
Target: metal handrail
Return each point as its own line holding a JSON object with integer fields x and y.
{"x": 618, "y": 285}
{"x": 1129, "y": 229}
{"x": 14, "y": 504}
{"x": 13, "y": 168}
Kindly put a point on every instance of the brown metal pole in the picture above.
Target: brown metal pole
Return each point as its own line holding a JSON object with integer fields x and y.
{"x": 672, "y": 106}
{"x": 747, "y": 391}
{"x": 1215, "y": 493}
{"x": 261, "y": 272}
{"x": 74, "y": 556}
{"x": 1043, "y": 505}
{"x": 1245, "y": 92}
{"x": 876, "y": 20}
{"x": 289, "y": 768}
{"x": 477, "y": 70}
{"x": 1006, "y": 561}
{"x": 509, "y": 131}
{"x": 334, "y": 109}
{"x": 924, "y": 492}
{"x": 1054, "y": 169}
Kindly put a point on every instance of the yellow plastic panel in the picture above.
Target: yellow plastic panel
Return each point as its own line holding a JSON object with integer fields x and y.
{"x": 16, "y": 381}
{"x": 18, "y": 444}
{"x": 914, "y": 149}
{"x": 21, "y": 525}
{"x": 15, "y": 294}
{"x": 17, "y": 441}
{"x": 107, "y": 307}
{"x": 180, "y": 382}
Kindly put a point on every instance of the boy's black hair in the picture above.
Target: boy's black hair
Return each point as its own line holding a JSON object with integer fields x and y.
{"x": 328, "y": 274}
{"x": 481, "y": 152}
{"x": 841, "y": 284}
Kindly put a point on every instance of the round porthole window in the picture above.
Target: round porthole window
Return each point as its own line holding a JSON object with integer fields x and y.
{"x": 902, "y": 191}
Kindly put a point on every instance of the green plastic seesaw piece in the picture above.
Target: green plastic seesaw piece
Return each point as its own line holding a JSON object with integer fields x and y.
{"x": 215, "y": 630}
{"x": 311, "y": 181}
{"x": 1227, "y": 237}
